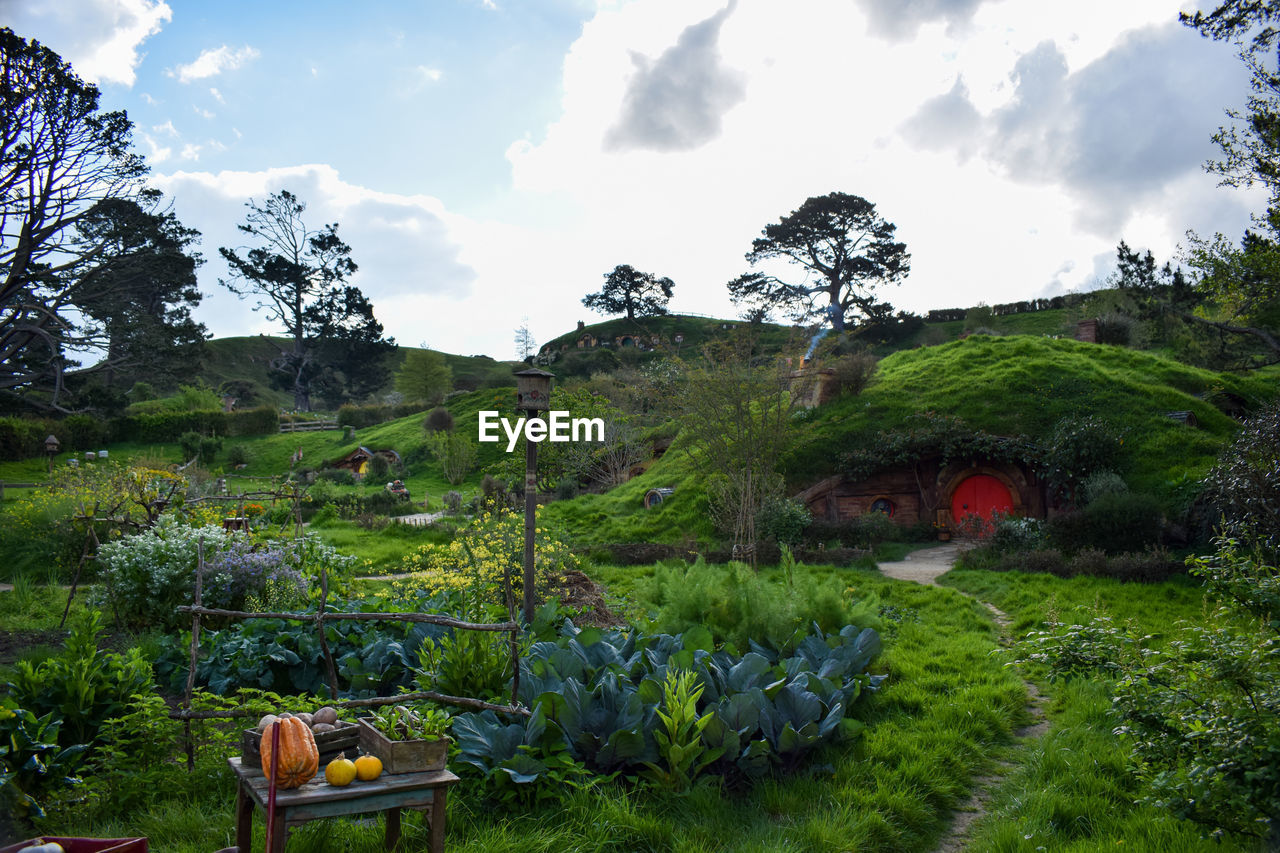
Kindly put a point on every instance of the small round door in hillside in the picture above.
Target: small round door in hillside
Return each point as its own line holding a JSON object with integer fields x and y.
{"x": 980, "y": 495}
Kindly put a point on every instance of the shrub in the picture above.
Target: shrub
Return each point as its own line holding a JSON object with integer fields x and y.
{"x": 338, "y": 476}
{"x": 1244, "y": 486}
{"x": 438, "y": 419}
{"x": 82, "y": 685}
{"x": 456, "y": 453}
{"x": 853, "y": 373}
{"x": 237, "y": 455}
{"x": 1078, "y": 446}
{"x": 1116, "y": 523}
{"x": 1090, "y": 562}
{"x": 1115, "y": 328}
{"x": 1102, "y": 483}
{"x": 452, "y": 502}
{"x": 190, "y": 444}
{"x": 378, "y": 467}
{"x": 1013, "y": 533}
{"x": 784, "y": 521}
{"x": 209, "y": 447}
{"x": 736, "y": 605}
{"x": 1044, "y": 560}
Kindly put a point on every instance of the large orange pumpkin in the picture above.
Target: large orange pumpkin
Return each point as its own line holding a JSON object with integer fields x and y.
{"x": 299, "y": 757}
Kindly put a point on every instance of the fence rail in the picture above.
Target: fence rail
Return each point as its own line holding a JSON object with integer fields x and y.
{"x": 4, "y": 485}
{"x": 308, "y": 426}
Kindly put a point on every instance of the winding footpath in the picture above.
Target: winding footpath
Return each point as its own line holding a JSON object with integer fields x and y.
{"x": 925, "y": 567}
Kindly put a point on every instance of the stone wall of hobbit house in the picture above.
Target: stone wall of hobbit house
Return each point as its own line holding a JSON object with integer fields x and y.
{"x": 925, "y": 491}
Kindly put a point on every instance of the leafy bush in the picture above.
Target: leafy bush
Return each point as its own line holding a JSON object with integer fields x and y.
{"x": 190, "y": 443}
{"x": 784, "y": 521}
{"x": 853, "y": 373}
{"x": 209, "y": 447}
{"x": 737, "y": 606}
{"x": 1244, "y": 486}
{"x": 1014, "y": 533}
{"x": 456, "y": 453}
{"x": 82, "y": 685}
{"x": 1115, "y": 328}
{"x": 596, "y": 698}
{"x": 1201, "y": 712}
{"x": 378, "y": 467}
{"x": 438, "y": 419}
{"x": 1078, "y": 446}
{"x": 338, "y": 476}
{"x": 1100, "y": 484}
{"x": 1117, "y": 522}
{"x": 237, "y": 455}
{"x": 452, "y": 502}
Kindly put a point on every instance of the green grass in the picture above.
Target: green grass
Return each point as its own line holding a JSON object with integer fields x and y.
{"x": 380, "y": 551}
{"x": 1073, "y": 790}
{"x": 943, "y": 715}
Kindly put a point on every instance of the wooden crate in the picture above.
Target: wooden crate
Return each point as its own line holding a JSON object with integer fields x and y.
{"x": 330, "y": 744}
{"x": 403, "y": 756}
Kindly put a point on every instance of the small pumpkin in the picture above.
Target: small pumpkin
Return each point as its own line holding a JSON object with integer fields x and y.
{"x": 368, "y": 768}
{"x": 340, "y": 772}
{"x": 299, "y": 758}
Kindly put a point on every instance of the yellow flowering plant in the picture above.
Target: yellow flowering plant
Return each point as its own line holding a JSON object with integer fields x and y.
{"x": 473, "y": 563}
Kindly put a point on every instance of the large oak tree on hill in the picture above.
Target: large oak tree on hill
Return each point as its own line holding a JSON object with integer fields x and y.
{"x": 845, "y": 250}
{"x": 629, "y": 291}
{"x": 299, "y": 275}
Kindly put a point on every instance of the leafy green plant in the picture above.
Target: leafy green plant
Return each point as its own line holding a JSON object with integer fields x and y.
{"x": 465, "y": 663}
{"x": 679, "y": 739}
{"x": 32, "y": 762}
{"x": 598, "y": 695}
{"x": 82, "y": 686}
{"x": 421, "y": 722}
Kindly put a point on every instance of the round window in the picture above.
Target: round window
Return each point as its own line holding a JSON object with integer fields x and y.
{"x": 883, "y": 505}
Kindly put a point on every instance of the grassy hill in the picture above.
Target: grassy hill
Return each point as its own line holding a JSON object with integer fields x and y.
{"x": 242, "y": 365}
{"x": 1016, "y": 385}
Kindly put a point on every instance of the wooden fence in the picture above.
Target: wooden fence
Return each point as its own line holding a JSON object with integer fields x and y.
{"x": 307, "y": 426}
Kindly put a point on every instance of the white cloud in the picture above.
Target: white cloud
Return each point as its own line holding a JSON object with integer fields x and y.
{"x": 406, "y": 246}
{"x": 429, "y": 75}
{"x": 213, "y": 62}
{"x": 202, "y": 112}
{"x": 829, "y": 104}
{"x": 190, "y": 151}
{"x": 100, "y": 38}
{"x": 217, "y": 96}
{"x": 158, "y": 153}
{"x": 150, "y": 100}
{"x": 167, "y": 128}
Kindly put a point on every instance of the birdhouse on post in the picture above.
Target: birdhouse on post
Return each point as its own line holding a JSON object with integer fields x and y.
{"x": 533, "y": 390}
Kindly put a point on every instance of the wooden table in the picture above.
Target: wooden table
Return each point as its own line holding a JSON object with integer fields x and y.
{"x": 427, "y": 791}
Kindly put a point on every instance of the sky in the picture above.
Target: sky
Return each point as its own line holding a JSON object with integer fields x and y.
{"x": 490, "y": 161}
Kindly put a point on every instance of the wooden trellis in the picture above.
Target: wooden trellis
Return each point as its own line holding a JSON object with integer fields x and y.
{"x": 319, "y": 618}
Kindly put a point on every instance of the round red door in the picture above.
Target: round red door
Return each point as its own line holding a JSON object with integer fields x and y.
{"x": 980, "y": 495}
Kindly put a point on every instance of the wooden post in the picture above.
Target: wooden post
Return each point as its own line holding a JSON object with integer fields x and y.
{"x": 324, "y": 642}
{"x": 195, "y": 654}
{"x": 530, "y": 520}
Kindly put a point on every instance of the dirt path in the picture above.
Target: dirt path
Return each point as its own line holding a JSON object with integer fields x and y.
{"x": 925, "y": 567}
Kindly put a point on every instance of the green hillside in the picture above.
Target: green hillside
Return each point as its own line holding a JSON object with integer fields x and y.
{"x": 241, "y": 366}
{"x": 1010, "y": 386}
{"x": 1022, "y": 386}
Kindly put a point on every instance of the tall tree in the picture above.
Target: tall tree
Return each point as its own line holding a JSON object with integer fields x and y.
{"x": 846, "y": 251}
{"x": 299, "y": 276}
{"x": 525, "y": 344}
{"x": 424, "y": 376}
{"x": 628, "y": 291}
{"x": 59, "y": 158}
{"x": 737, "y": 413}
{"x": 142, "y": 290}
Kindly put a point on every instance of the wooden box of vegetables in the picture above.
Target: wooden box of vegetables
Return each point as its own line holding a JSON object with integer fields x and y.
{"x": 332, "y": 735}
{"x": 405, "y": 740}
